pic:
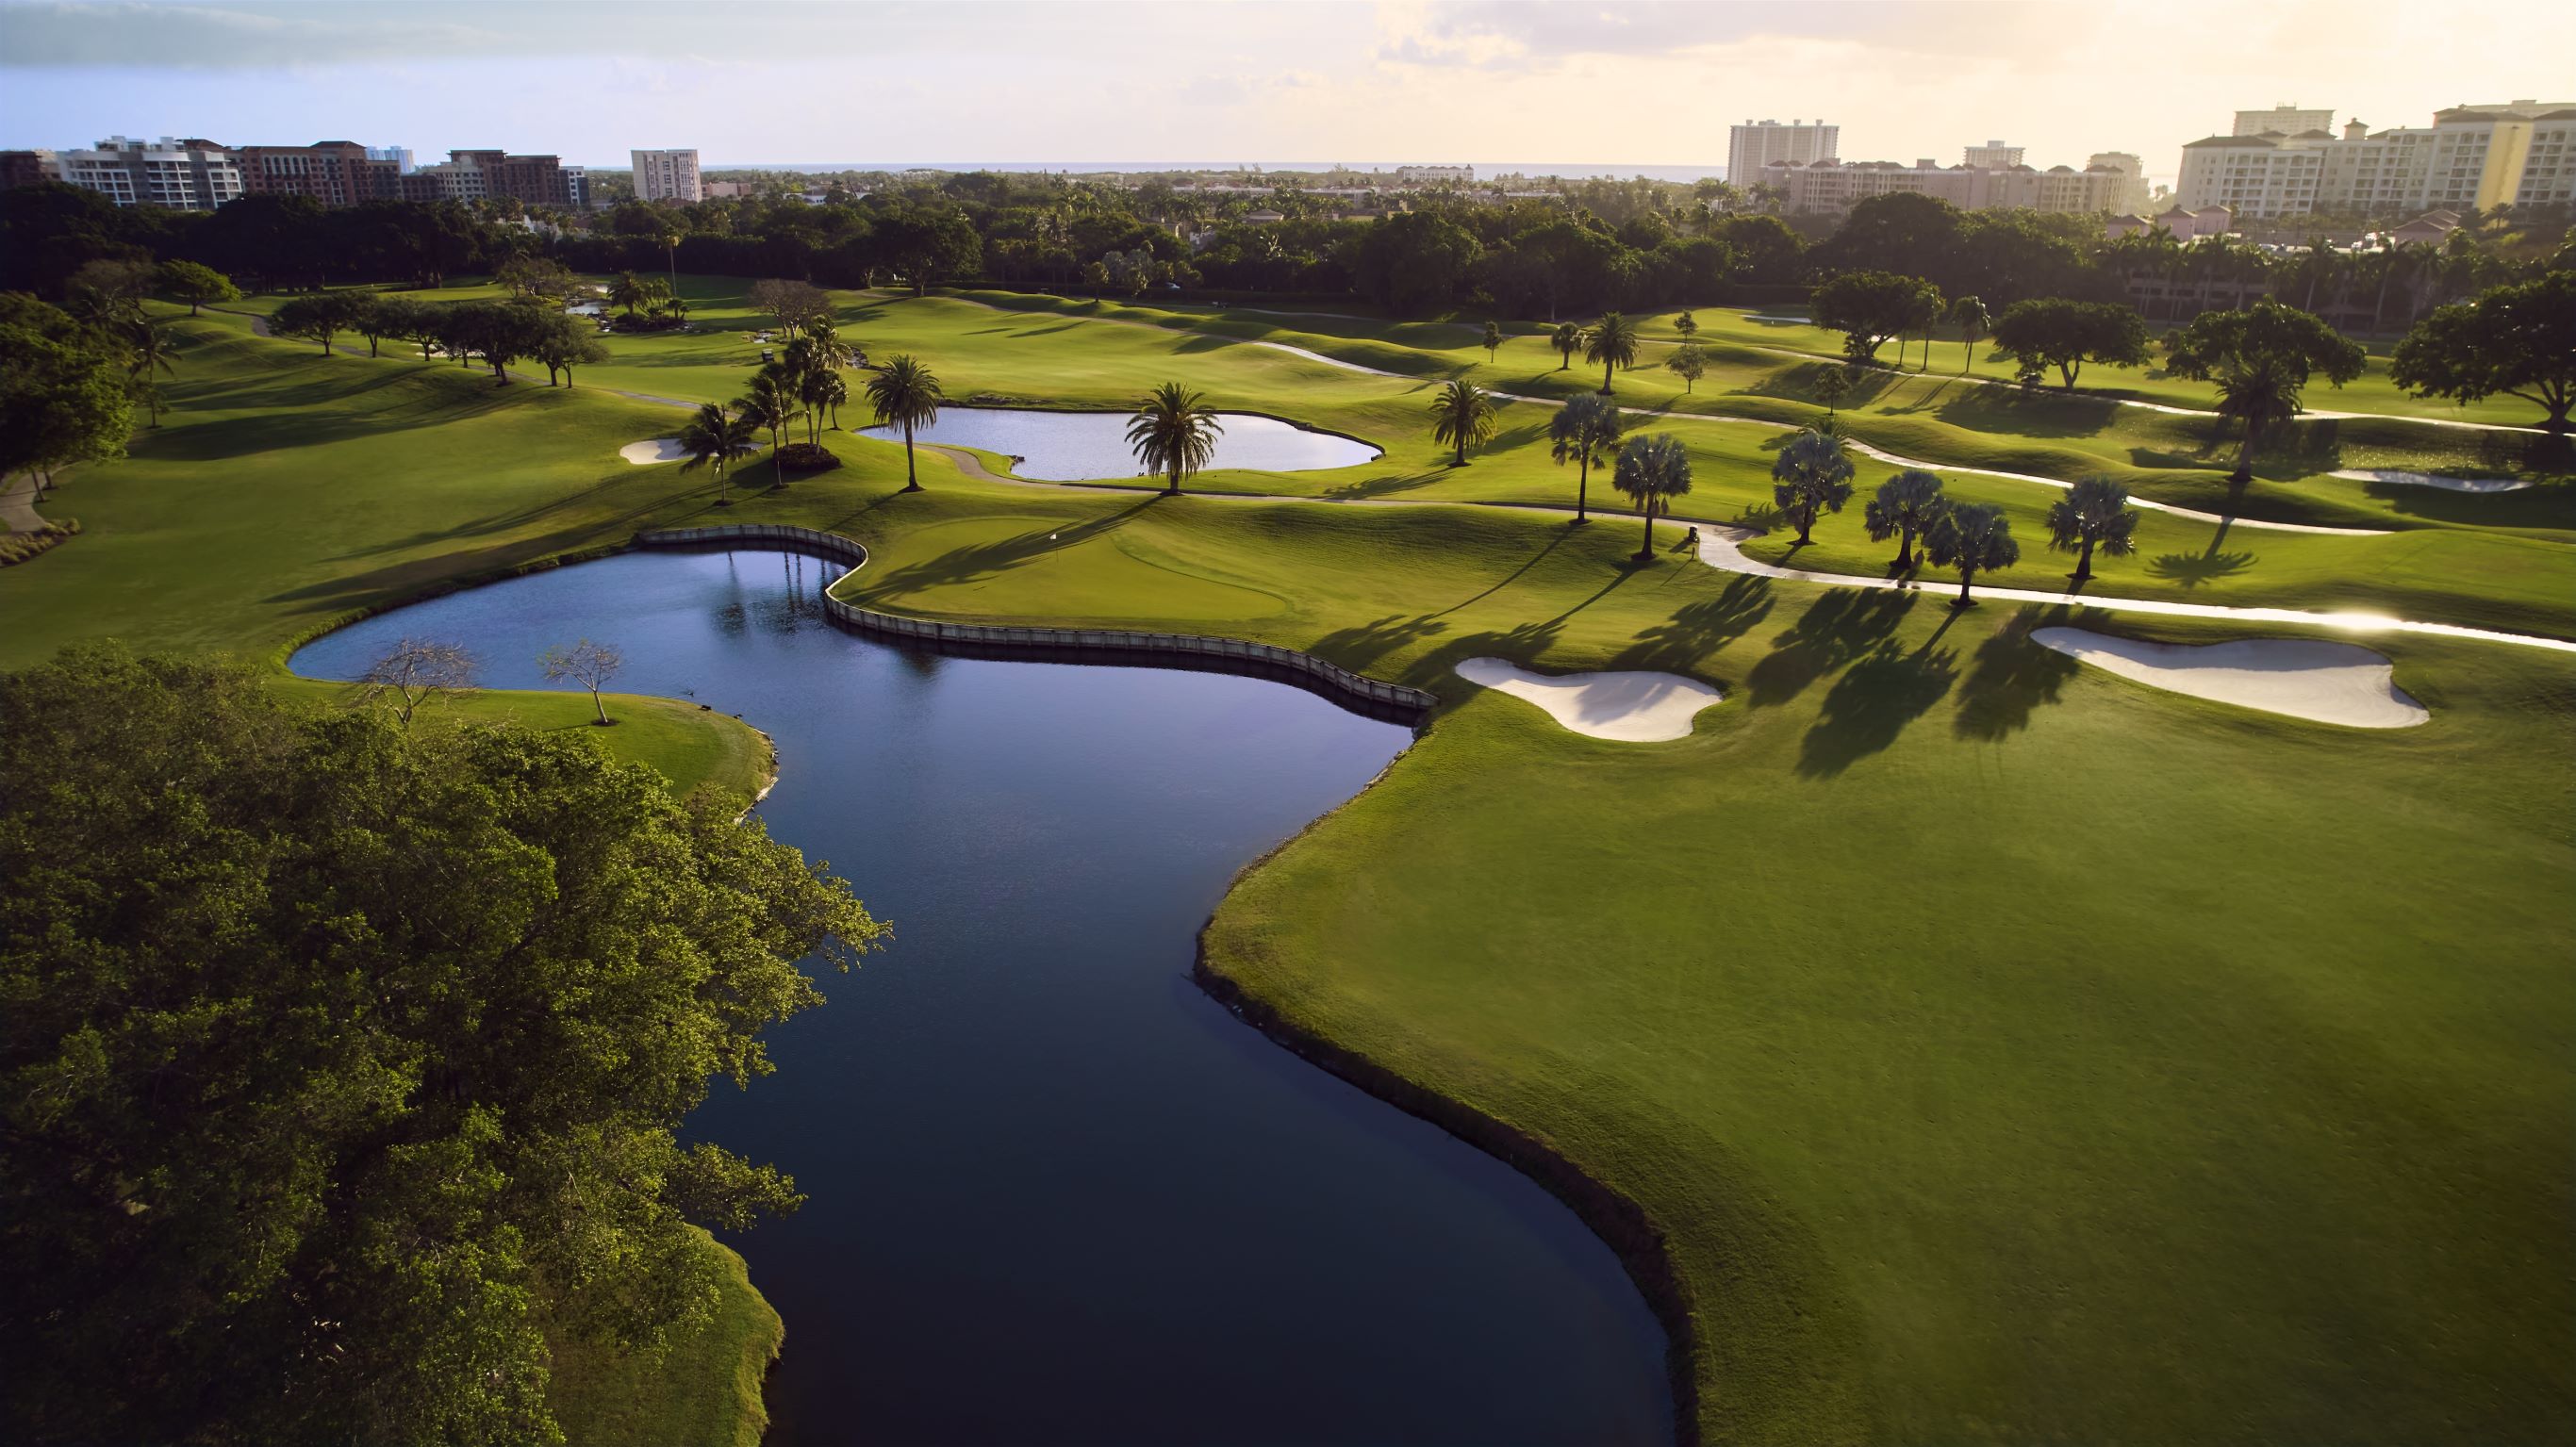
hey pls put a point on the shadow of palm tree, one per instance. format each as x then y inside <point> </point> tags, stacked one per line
<point>1875,700</point>
<point>2193,569</point>
<point>1836,628</point>
<point>1362,644</point>
<point>1388,485</point>
<point>2012,678</point>
<point>1554,540</point>
<point>989,560</point>
<point>1698,629</point>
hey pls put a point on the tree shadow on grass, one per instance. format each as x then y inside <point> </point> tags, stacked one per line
<point>2011,678</point>
<point>1698,629</point>
<point>1839,626</point>
<point>1385,486</point>
<point>1873,702</point>
<point>1555,540</point>
<point>982,561</point>
<point>1362,644</point>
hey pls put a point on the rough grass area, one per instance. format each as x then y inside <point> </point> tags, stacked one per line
<point>704,1392</point>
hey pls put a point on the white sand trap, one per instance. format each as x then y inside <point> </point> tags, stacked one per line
<point>660,449</point>
<point>2336,683</point>
<point>2428,479</point>
<point>1634,708</point>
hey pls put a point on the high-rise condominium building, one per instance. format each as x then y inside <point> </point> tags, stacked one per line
<point>183,175</point>
<point>1992,156</point>
<point>2283,120</point>
<point>667,176</point>
<point>2134,192</point>
<point>335,173</point>
<point>2521,152</point>
<point>1756,144</point>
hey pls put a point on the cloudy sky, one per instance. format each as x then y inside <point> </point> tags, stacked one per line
<point>1485,81</point>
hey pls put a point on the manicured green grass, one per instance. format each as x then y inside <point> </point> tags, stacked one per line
<point>2010,1052</point>
<point>704,1392</point>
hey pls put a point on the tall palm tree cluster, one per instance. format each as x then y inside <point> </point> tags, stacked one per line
<point>111,307</point>
<point>804,385</point>
<point>651,295</point>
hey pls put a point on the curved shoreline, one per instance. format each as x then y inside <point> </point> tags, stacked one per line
<point>1620,1223</point>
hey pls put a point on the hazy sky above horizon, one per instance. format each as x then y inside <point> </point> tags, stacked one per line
<point>1654,83</point>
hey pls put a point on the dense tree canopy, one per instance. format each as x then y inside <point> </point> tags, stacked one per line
<point>335,1060</point>
<point>63,392</point>
<point>2055,332</point>
<point>1869,307</point>
<point>2516,340</point>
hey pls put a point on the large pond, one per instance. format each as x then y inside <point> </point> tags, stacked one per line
<point>1092,446</point>
<point>1057,1194</point>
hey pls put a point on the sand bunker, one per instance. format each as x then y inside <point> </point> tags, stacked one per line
<point>1635,708</point>
<point>660,449</point>
<point>2336,683</point>
<point>2428,479</point>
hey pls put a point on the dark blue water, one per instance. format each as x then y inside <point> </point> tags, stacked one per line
<point>1092,446</point>
<point>1058,1195</point>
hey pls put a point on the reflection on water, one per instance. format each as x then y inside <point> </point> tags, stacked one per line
<point>1091,446</point>
<point>1056,1194</point>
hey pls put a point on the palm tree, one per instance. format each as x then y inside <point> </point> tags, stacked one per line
<point>1972,319</point>
<point>1613,343</point>
<point>671,258</point>
<point>1830,387</point>
<point>715,439</point>
<point>1652,469</point>
<point>1811,473</point>
<point>2258,396</point>
<point>1173,432</point>
<point>831,389</point>
<point>1585,431</point>
<point>772,407</point>
<point>151,353</point>
<point>905,394</point>
<point>1974,538</point>
<point>1461,414</point>
<point>1904,506</point>
<point>1567,338</point>
<point>2094,513</point>
<point>1493,340</point>
<point>628,292</point>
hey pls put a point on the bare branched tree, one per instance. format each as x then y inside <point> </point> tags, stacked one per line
<point>413,672</point>
<point>589,664</point>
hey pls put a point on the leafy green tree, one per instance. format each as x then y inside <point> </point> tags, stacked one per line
<point>1969,315</point>
<point>718,439</point>
<point>1611,342</point>
<point>2261,359</point>
<point>108,294</point>
<point>1904,507</point>
<point>370,317</point>
<point>197,285</point>
<point>342,1065</point>
<point>1462,413</point>
<point>1973,538</point>
<point>2516,340</point>
<point>905,395</point>
<point>1812,474</point>
<point>317,318</point>
<point>63,396</point>
<point>150,352</point>
<point>1869,308</point>
<point>1413,261</point>
<point>1687,325</point>
<point>1653,469</point>
<point>1585,432</point>
<point>1174,432</point>
<point>2094,513</point>
<point>2055,332</point>
<point>565,342</point>
<point>1689,363</point>
<point>1493,340</point>
<point>1567,339</point>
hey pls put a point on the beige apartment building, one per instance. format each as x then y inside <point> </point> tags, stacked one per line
<point>1830,187</point>
<point>2521,152</point>
<point>180,175</point>
<point>1756,144</point>
<point>668,176</point>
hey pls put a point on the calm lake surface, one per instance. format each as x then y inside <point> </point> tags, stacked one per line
<point>1092,446</point>
<point>1057,1194</point>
